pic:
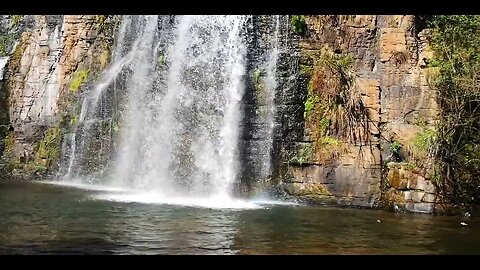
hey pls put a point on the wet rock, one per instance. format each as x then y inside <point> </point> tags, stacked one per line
<point>417,196</point>
<point>424,208</point>
<point>396,178</point>
<point>429,198</point>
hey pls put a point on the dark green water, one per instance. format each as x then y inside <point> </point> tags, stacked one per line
<point>44,219</point>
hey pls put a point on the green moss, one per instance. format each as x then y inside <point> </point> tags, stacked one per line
<point>73,120</point>
<point>309,104</point>
<point>101,19</point>
<point>104,59</point>
<point>411,166</point>
<point>16,20</point>
<point>303,154</point>
<point>78,79</point>
<point>115,127</point>
<point>298,24</point>
<point>6,42</point>
<point>161,59</point>
<point>330,141</point>
<point>259,84</point>
<point>49,147</point>
<point>327,148</point>
<point>306,70</point>
<point>8,144</point>
<point>324,126</point>
<point>16,57</point>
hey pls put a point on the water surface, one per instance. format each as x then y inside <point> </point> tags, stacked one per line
<point>38,218</point>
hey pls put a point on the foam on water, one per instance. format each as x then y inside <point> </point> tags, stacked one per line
<point>213,202</point>
<point>123,195</point>
<point>82,185</point>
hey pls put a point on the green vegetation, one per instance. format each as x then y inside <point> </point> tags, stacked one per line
<point>8,144</point>
<point>16,20</point>
<point>73,120</point>
<point>328,147</point>
<point>456,44</point>
<point>333,95</point>
<point>6,42</point>
<point>333,109</point>
<point>395,147</point>
<point>310,104</point>
<point>259,85</point>
<point>104,59</point>
<point>298,24</point>
<point>424,140</point>
<point>161,59</point>
<point>306,70</point>
<point>302,155</point>
<point>324,126</point>
<point>49,147</point>
<point>330,141</point>
<point>115,127</point>
<point>78,79</point>
<point>344,62</point>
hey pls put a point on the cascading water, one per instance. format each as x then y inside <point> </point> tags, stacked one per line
<point>180,137</point>
<point>179,123</point>
<point>169,109</point>
<point>90,113</point>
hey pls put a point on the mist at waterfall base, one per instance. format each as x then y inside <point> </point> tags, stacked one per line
<point>177,84</point>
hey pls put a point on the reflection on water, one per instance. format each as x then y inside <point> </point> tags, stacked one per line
<point>45,219</point>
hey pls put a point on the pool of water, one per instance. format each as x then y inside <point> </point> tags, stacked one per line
<point>39,218</point>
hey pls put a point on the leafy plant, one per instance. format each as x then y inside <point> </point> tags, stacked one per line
<point>309,104</point>
<point>298,24</point>
<point>302,155</point>
<point>395,147</point>
<point>456,44</point>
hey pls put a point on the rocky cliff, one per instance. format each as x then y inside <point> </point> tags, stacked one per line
<point>49,58</point>
<point>359,145</point>
<point>353,105</point>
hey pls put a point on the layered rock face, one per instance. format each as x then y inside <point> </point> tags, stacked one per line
<point>48,54</point>
<point>391,77</point>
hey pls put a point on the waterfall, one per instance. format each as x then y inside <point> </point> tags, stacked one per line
<point>178,122</point>
<point>182,139</point>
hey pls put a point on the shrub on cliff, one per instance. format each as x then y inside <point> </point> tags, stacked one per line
<point>456,44</point>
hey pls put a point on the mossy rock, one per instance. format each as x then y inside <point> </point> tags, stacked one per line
<point>314,190</point>
<point>48,151</point>
<point>78,79</point>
